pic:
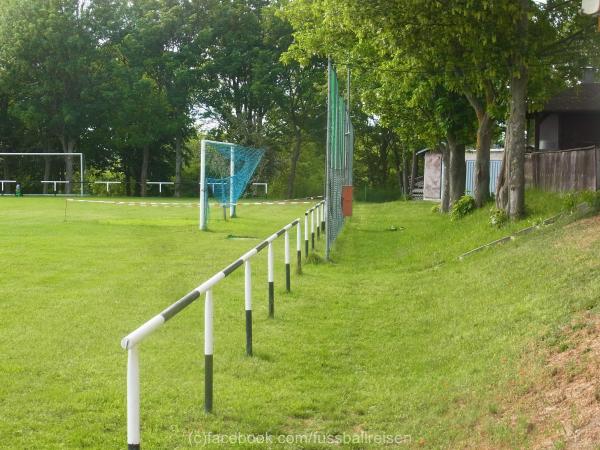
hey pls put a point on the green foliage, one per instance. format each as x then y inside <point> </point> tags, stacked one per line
<point>464,206</point>
<point>436,209</point>
<point>498,217</point>
<point>572,200</point>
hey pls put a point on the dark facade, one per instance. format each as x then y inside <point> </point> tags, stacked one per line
<point>570,119</point>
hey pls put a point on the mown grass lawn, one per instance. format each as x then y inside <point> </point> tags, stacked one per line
<point>396,336</point>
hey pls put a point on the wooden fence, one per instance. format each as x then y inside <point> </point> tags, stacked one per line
<point>564,170</point>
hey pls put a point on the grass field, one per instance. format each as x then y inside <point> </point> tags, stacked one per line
<point>395,336</point>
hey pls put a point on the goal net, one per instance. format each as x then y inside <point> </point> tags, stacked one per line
<point>225,172</point>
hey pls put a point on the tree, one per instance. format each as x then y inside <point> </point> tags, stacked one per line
<point>48,48</point>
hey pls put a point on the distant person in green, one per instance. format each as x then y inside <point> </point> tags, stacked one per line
<point>18,192</point>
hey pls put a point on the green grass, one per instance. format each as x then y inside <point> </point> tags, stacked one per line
<point>396,336</point>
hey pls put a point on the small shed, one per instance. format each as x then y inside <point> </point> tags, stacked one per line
<point>435,171</point>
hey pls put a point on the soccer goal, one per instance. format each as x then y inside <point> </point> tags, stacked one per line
<point>225,172</point>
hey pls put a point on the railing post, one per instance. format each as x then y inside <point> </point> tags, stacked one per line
<point>323,217</point>
<point>248,302</point>
<point>306,234</point>
<point>133,399</point>
<point>299,247</point>
<point>287,261</point>
<point>208,351</point>
<point>318,221</point>
<point>270,281</point>
<point>312,227</point>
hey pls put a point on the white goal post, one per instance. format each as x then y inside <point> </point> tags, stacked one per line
<point>80,155</point>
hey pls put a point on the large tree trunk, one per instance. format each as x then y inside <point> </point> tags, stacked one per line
<point>68,145</point>
<point>457,169</point>
<point>445,188</point>
<point>485,130</point>
<point>511,189</point>
<point>294,163</point>
<point>414,171</point>
<point>144,170</point>
<point>178,165</point>
<point>482,163</point>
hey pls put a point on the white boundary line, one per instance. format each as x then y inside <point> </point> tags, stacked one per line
<point>181,204</point>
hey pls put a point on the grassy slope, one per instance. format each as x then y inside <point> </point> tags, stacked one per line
<point>396,337</point>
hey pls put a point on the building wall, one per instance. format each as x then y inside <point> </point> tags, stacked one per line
<point>579,130</point>
<point>548,133</point>
<point>432,178</point>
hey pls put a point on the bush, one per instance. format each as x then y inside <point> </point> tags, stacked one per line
<point>572,199</point>
<point>498,217</point>
<point>435,209</point>
<point>462,207</point>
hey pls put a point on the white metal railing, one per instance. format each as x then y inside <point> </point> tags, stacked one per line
<point>132,340</point>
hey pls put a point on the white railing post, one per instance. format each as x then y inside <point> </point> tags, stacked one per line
<point>248,304</point>
<point>312,227</point>
<point>287,261</point>
<point>318,221</point>
<point>270,280</point>
<point>306,234</point>
<point>299,247</point>
<point>208,351</point>
<point>133,399</point>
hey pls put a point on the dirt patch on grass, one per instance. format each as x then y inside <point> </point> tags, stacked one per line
<point>582,234</point>
<point>557,405</point>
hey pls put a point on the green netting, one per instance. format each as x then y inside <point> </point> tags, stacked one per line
<point>340,154</point>
<point>219,183</point>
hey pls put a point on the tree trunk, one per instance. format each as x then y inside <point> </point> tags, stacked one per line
<point>445,188</point>
<point>68,145</point>
<point>511,191</point>
<point>144,171</point>
<point>294,163</point>
<point>405,171</point>
<point>457,169</point>
<point>178,165</point>
<point>485,128</point>
<point>482,163</point>
<point>414,171</point>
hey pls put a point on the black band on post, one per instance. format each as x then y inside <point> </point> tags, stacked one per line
<point>287,278</point>
<point>299,264</point>
<point>249,332</point>
<point>208,383</point>
<point>306,248</point>
<point>271,300</point>
<point>133,446</point>
<point>313,240</point>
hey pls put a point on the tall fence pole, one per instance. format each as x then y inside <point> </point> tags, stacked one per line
<point>133,399</point>
<point>270,279</point>
<point>208,351</point>
<point>299,247</point>
<point>248,304</point>
<point>323,217</point>
<point>287,261</point>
